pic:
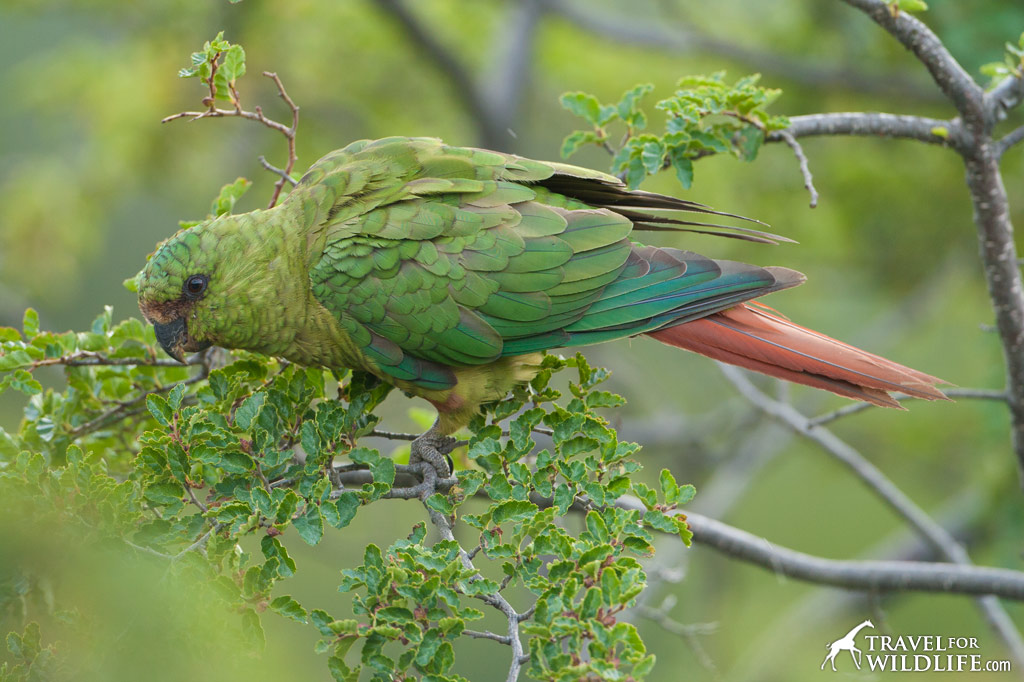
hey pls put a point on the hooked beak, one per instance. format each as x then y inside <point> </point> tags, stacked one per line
<point>173,338</point>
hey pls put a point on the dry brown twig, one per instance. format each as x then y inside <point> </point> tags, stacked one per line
<point>213,111</point>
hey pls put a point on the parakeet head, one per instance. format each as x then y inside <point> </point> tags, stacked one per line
<point>205,285</point>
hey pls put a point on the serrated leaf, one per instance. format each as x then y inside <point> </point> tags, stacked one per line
<point>513,510</point>
<point>249,409</point>
<point>233,65</point>
<point>288,607</point>
<point>310,525</point>
<point>576,139</point>
<point>583,105</point>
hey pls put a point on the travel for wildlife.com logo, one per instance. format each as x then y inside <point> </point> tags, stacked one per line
<point>909,653</point>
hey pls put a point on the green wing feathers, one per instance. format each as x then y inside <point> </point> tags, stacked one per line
<point>434,257</point>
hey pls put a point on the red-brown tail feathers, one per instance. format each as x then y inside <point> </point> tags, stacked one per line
<point>755,339</point>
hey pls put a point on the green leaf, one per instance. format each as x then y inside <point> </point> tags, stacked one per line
<point>583,105</point>
<point>249,409</point>
<point>15,359</point>
<point>310,525</point>
<point>682,165</point>
<point>229,194</point>
<point>513,510</point>
<point>653,156</point>
<point>597,527</point>
<point>347,505</point>
<point>576,139</point>
<point>166,493</point>
<point>440,504</point>
<point>160,410</point>
<point>30,324</point>
<point>288,607</point>
<point>233,65</point>
<point>749,141</point>
<point>912,5</point>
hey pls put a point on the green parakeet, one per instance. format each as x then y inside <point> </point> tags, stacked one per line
<point>447,271</point>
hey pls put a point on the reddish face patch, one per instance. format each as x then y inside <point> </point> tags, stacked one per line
<point>164,312</point>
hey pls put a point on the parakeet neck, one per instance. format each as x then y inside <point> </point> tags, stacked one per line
<point>262,290</point>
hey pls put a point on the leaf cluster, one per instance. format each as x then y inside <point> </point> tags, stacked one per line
<point>218,65</point>
<point>193,464</point>
<point>705,116</point>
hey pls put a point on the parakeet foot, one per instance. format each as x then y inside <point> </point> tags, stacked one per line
<point>433,448</point>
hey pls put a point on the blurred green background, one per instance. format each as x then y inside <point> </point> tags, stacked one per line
<point>90,181</point>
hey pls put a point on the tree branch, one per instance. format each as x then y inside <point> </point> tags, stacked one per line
<point>875,125</point>
<point>859,574</point>
<point>944,544</point>
<point>952,79</point>
<point>495,600</point>
<point>1004,97</point>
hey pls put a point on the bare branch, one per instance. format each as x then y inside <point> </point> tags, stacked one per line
<point>496,600</point>
<point>277,171</point>
<point>504,639</point>
<point>802,160</point>
<point>950,578</point>
<point>873,124</point>
<point>91,359</point>
<point>860,574</point>
<point>952,79</point>
<point>289,134</point>
<point>510,70</point>
<point>125,410</point>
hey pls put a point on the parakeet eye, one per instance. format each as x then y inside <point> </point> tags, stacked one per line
<point>195,286</point>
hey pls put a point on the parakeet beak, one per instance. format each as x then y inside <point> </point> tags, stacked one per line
<point>172,337</point>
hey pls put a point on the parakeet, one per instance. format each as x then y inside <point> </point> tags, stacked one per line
<point>447,272</point>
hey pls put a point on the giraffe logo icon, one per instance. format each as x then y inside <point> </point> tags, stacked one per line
<point>846,643</point>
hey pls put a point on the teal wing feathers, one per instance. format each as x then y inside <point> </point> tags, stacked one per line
<point>433,257</point>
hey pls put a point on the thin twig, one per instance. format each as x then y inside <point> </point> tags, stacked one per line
<point>255,115</point>
<point>802,160</point>
<point>92,359</point>
<point>278,171</point>
<point>125,410</point>
<point>504,639</point>
<point>496,600</point>
<point>289,133</point>
<point>854,408</point>
<point>687,631</point>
